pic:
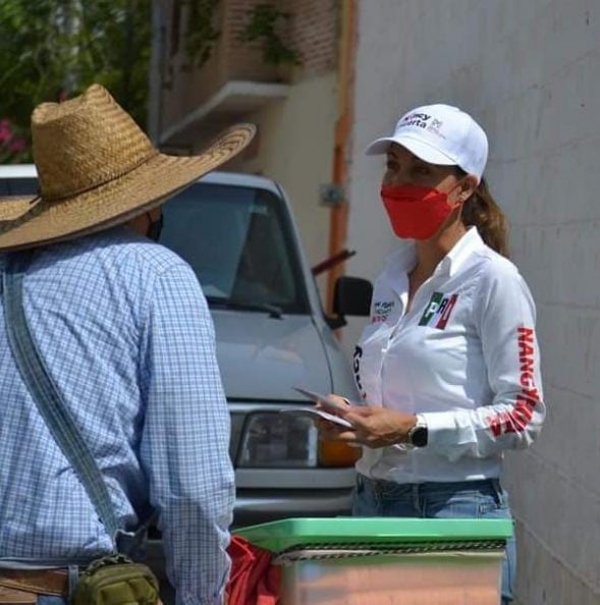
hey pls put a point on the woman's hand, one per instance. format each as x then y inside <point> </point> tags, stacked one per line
<point>329,431</point>
<point>373,426</point>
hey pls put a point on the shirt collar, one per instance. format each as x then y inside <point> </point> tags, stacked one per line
<point>470,242</point>
<point>402,261</point>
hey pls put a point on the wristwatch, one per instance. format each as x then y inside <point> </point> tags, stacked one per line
<point>418,434</point>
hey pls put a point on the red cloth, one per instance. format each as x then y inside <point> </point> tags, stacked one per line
<point>253,580</point>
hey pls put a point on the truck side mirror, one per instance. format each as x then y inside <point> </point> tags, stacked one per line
<point>351,296</point>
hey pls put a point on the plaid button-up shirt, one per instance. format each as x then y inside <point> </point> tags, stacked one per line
<point>127,337</point>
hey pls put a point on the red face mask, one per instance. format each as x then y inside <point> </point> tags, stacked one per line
<point>415,212</point>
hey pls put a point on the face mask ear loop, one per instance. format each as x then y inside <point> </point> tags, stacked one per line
<point>155,228</point>
<point>459,201</point>
<point>472,194</point>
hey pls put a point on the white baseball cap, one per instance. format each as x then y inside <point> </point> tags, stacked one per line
<point>439,134</point>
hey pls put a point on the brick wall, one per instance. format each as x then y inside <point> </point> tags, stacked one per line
<point>243,60</point>
<point>530,72</point>
<point>314,34</point>
<point>230,59</point>
<point>311,31</point>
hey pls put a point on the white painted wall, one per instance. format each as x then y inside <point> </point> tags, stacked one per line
<point>529,71</point>
<point>296,149</point>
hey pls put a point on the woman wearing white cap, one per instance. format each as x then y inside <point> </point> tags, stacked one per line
<point>448,367</point>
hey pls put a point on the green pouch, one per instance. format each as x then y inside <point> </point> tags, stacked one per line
<point>116,580</point>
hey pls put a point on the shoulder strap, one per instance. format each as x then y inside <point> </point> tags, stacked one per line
<point>47,397</point>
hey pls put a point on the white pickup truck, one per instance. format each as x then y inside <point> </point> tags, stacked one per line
<point>239,236</point>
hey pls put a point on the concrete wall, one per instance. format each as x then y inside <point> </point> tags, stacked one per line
<point>296,149</point>
<point>530,72</point>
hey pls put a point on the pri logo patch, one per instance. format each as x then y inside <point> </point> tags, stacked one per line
<point>438,310</point>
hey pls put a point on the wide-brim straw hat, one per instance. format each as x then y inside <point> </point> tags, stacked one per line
<point>97,169</point>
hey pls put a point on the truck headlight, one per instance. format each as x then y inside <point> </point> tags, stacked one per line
<point>278,440</point>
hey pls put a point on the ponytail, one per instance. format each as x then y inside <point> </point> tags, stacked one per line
<point>481,211</point>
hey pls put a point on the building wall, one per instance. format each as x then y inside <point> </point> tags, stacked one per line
<point>296,149</point>
<point>530,73</point>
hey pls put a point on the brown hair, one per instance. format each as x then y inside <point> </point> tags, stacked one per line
<point>482,211</point>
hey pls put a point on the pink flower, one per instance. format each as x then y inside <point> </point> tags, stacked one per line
<point>17,145</point>
<point>5,131</point>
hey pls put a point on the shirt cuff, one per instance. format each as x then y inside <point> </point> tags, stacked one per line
<point>440,428</point>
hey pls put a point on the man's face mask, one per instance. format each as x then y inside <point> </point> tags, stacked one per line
<point>415,212</point>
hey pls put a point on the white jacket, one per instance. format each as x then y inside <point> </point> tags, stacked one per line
<point>464,357</point>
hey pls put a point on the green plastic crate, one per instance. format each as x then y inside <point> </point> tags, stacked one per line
<point>277,536</point>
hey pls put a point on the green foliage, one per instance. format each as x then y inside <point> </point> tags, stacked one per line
<point>200,34</point>
<point>53,49</point>
<point>265,25</point>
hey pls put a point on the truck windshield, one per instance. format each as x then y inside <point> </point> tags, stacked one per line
<point>239,242</point>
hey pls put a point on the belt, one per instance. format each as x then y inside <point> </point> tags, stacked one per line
<point>39,581</point>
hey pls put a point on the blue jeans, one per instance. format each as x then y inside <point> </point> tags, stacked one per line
<point>470,500</point>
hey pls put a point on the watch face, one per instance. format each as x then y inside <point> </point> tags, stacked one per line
<point>419,436</point>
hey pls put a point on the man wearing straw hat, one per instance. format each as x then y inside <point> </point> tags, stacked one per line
<point>123,334</point>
